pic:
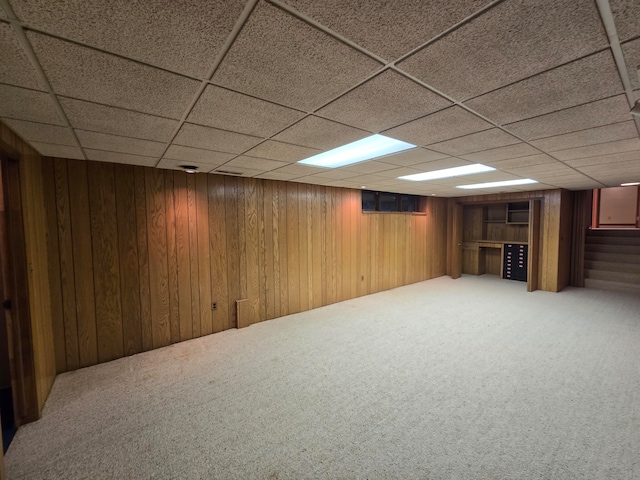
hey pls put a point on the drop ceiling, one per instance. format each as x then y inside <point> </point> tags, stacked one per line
<point>535,88</point>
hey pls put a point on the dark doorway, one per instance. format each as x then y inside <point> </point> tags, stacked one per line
<point>7,413</point>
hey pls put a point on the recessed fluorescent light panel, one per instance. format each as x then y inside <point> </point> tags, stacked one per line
<point>506,183</point>
<point>448,172</point>
<point>366,149</point>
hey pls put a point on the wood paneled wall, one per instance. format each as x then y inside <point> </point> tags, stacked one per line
<point>555,232</point>
<point>139,255</point>
<point>35,249</point>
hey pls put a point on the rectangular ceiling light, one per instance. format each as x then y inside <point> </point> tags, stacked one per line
<point>632,184</point>
<point>366,149</point>
<point>506,183</point>
<point>448,172</point>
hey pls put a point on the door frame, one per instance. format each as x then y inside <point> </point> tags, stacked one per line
<point>15,288</point>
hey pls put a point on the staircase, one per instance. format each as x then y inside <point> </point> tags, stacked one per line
<point>612,260</point>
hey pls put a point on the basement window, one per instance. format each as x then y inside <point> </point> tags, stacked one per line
<point>373,201</point>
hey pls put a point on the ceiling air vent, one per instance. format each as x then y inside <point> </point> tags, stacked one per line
<point>228,172</point>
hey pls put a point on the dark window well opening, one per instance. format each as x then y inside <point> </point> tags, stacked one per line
<point>373,201</point>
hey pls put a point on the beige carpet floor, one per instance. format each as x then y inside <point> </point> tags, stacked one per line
<point>446,379</point>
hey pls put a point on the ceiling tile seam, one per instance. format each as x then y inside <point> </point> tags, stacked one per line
<point>449,30</point>
<point>486,119</point>
<point>217,85</point>
<point>117,108</point>
<point>604,9</point>
<point>115,151</point>
<point>599,144</point>
<point>313,23</point>
<point>574,131</point>
<point>28,49</point>
<point>231,38</point>
<point>113,134</point>
<point>104,51</point>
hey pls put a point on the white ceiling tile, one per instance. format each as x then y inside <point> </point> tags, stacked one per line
<point>113,143</point>
<point>626,14</point>
<point>591,136</point>
<point>255,163</point>
<point>618,146</point>
<point>199,155</point>
<point>279,58</point>
<point>399,172</point>
<point>276,176</point>
<point>213,139</point>
<point>336,174</point>
<point>385,101</point>
<point>243,172</point>
<point>633,155</point>
<point>443,125</point>
<point>58,151</point>
<point>368,167</point>
<point>299,169</point>
<point>117,121</point>
<point>502,153</point>
<point>388,29</point>
<point>23,104</point>
<point>185,36</point>
<point>87,74</point>
<point>594,114</point>
<point>441,164</point>
<point>631,52</point>
<point>280,151</point>
<point>582,81</point>
<point>222,108</point>
<point>508,43</point>
<point>315,132</point>
<point>537,159</point>
<point>15,67</point>
<point>43,133</point>
<point>117,157</point>
<point>475,142</point>
<point>412,157</point>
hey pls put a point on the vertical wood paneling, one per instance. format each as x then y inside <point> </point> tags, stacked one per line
<point>53,249</point>
<point>143,258</point>
<point>172,257</point>
<point>162,246</point>
<point>128,254</point>
<point>83,262</point>
<point>303,240</point>
<point>102,207</point>
<point>251,241</point>
<point>268,269</point>
<point>293,251</point>
<point>158,269</point>
<point>218,246</point>
<point>193,255</point>
<point>181,205</point>
<point>204,255</point>
<point>233,245</point>
<point>282,248</point>
<point>67,275</point>
<point>316,246</point>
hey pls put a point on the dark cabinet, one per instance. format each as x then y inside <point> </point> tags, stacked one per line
<point>514,265</point>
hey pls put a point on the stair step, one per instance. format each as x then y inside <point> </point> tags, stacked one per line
<point>612,257</point>
<point>606,285</point>
<point>621,277</point>
<point>610,240</point>
<point>615,266</point>
<point>624,249</point>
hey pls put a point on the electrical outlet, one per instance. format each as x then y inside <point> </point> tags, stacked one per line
<point>214,306</point>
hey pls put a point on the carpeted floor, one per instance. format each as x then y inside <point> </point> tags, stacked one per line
<point>446,379</point>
